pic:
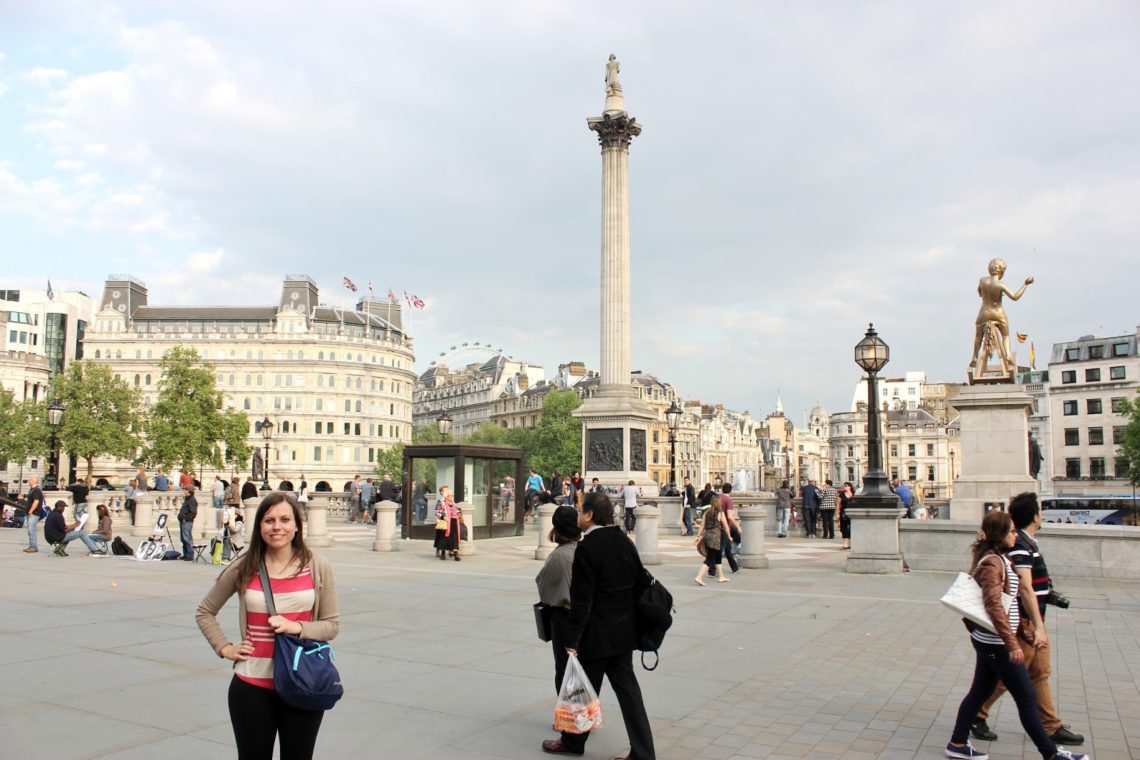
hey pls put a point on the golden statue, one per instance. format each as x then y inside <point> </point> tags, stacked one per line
<point>991,333</point>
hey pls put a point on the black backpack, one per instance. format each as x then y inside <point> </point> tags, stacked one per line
<point>120,548</point>
<point>654,613</point>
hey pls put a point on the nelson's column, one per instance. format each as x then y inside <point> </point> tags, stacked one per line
<point>615,421</point>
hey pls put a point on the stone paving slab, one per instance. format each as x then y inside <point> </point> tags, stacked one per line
<point>101,658</point>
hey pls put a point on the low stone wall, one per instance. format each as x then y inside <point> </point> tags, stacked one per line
<point>1084,551</point>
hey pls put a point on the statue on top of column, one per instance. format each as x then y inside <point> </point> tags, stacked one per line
<point>613,69</point>
<point>991,329</point>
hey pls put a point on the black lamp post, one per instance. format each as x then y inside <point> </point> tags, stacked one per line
<point>673,419</point>
<point>443,421</point>
<point>872,354</point>
<point>55,417</point>
<point>267,434</point>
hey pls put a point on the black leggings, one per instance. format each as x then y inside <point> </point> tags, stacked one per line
<point>258,715</point>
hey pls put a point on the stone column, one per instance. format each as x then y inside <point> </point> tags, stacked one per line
<point>875,540</point>
<point>316,519</point>
<point>144,515</point>
<point>645,537</point>
<point>467,548</point>
<point>387,538</point>
<point>545,525</point>
<point>752,536</point>
<point>206,521</point>
<point>249,506</point>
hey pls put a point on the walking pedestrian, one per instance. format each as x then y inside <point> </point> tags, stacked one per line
<point>447,516</point>
<point>809,495</point>
<point>828,501</point>
<point>733,536</point>
<point>629,502</point>
<point>714,533</point>
<point>845,497</point>
<point>783,509</point>
<point>554,584</point>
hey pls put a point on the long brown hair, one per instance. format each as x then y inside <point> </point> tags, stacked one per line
<point>995,527</point>
<point>256,552</point>
<point>713,512</point>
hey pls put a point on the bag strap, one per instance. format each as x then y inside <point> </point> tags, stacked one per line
<point>266,588</point>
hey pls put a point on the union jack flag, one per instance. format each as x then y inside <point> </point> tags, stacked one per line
<point>350,284</point>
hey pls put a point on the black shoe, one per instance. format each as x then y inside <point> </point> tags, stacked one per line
<point>1065,735</point>
<point>980,730</point>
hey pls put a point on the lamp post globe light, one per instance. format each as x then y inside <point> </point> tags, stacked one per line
<point>673,419</point>
<point>267,434</point>
<point>443,421</point>
<point>872,354</point>
<point>55,417</point>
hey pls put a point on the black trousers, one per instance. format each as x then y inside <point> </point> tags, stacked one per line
<point>619,670</point>
<point>810,515</point>
<point>258,715</point>
<point>559,618</point>
<point>828,522</point>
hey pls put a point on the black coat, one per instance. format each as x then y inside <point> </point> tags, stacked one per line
<point>691,496</point>
<point>189,510</point>
<point>606,579</point>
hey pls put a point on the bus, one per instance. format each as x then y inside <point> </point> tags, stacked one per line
<point>1091,509</point>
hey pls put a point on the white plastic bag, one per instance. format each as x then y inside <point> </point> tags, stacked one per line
<point>578,709</point>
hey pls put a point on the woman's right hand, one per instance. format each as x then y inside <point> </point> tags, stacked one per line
<point>1017,657</point>
<point>242,651</point>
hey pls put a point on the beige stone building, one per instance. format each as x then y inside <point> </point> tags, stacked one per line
<point>496,389</point>
<point>336,384</point>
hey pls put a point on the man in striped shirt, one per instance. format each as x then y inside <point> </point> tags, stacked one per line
<point>1033,591</point>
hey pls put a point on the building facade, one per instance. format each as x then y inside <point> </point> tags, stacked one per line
<point>336,384</point>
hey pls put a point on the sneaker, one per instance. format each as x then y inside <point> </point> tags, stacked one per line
<point>1064,754</point>
<point>967,751</point>
<point>30,550</point>
<point>981,731</point>
<point>1066,735</point>
<point>98,553</point>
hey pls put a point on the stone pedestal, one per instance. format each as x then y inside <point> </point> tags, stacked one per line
<point>995,449</point>
<point>249,506</point>
<point>467,548</point>
<point>206,521</point>
<point>387,537</point>
<point>752,537</point>
<point>144,515</point>
<point>545,525</point>
<point>317,523</point>
<point>645,537</point>
<point>875,540</point>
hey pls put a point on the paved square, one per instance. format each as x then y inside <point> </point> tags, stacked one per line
<point>101,658</point>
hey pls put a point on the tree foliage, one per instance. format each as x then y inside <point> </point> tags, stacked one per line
<point>556,442</point>
<point>24,431</point>
<point>1129,449</point>
<point>102,416</point>
<point>391,462</point>
<point>187,427</point>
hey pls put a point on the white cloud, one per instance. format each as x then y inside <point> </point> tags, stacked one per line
<point>42,76</point>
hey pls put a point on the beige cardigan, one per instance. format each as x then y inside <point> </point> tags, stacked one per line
<point>326,616</point>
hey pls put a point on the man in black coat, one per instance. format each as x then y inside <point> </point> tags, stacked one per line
<point>605,582</point>
<point>688,504</point>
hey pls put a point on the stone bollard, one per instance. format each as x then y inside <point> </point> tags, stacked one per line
<point>206,521</point>
<point>545,525</point>
<point>645,536</point>
<point>752,521</point>
<point>144,515</point>
<point>249,507</point>
<point>316,522</point>
<point>467,548</point>
<point>875,540</point>
<point>387,538</point>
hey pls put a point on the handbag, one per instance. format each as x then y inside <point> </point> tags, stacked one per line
<point>304,672</point>
<point>701,548</point>
<point>964,597</point>
<point>542,620</point>
<point>440,523</point>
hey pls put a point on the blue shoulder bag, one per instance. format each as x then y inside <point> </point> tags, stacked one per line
<point>304,672</point>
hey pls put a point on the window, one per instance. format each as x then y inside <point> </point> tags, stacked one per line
<point>357,405</point>
<point>317,453</point>
<point>1072,437</point>
<point>1116,373</point>
<point>894,473</point>
<point>911,450</point>
<point>848,430</point>
<point>1121,470</point>
<point>1096,352</point>
<point>1120,349</point>
<point>1096,436</point>
<point>1070,408</point>
<point>1096,467</point>
<point>347,405</point>
<point>1072,468</point>
<point>912,473</point>
<point>1118,404</point>
<point>930,449</point>
<point>894,449</point>
<point>356,429</point>
<point>1068,376</point>
<point>930,472</point>
<point>1072,354</point>
<point>347,428</point>
<point>1092,375</point>
<point>1093,406</point>
<point>320,405</point>
<point>850,451</point>
<point>1118,434</point>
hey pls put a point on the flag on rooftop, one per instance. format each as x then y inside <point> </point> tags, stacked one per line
<point>350,284</point>
<point>1032,356</point>
<point>50,292</point>
<point>392,296</point>
<point>418,302</point>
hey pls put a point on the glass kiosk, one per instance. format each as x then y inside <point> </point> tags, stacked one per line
<point>488,478</point>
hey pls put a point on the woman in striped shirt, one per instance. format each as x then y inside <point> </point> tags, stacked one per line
<point>304,593</point>
<point>999,657</point>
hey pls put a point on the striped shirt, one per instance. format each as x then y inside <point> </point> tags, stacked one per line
<point>985,637</point>
<point>1026,554</point>
<point>294,598</point>
<point>828,498</point>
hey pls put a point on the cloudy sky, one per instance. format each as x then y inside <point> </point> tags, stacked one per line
<point>806,167</point>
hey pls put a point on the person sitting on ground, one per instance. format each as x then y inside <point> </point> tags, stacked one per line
<point>58,532</point>
<point>103,533</point>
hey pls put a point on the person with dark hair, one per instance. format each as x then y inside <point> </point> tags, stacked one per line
<point>783,509</point>
<point>688,504</point>
<point>810,505</point>
<point>732,536</point>
<point>59,533</point>
<point>828,501</point>
<point>846,494</point>
<point>447,517</point>
<point>704,498</point>
<point>1032,597</point>
<point>999,657</point>
<point>629,494</point>
<point>304,593</point>
<point>714,535</point>
<point>554,584</point>
<point>186,516</point>
<point>606,580</point>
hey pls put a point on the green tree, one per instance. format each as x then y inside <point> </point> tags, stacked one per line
<point>187,427</point>
<point>1129,449</point>
<point>103,414</point>
<point>24,431</point>
<point>391,462</point>
<point>557,439</point>
<point>489,433</point>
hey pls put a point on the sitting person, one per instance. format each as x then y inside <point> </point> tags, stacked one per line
<point>59,533</point>
<point>103,533</point>
<point>235,525</point>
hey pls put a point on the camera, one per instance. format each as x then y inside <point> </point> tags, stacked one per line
<point>1056,598</point>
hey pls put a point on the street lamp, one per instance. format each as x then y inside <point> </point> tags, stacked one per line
<point>872,354</point>
<point>55,416</point>
<point>267,434</point>
<point>443,421</point>
<point>673,419</point>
